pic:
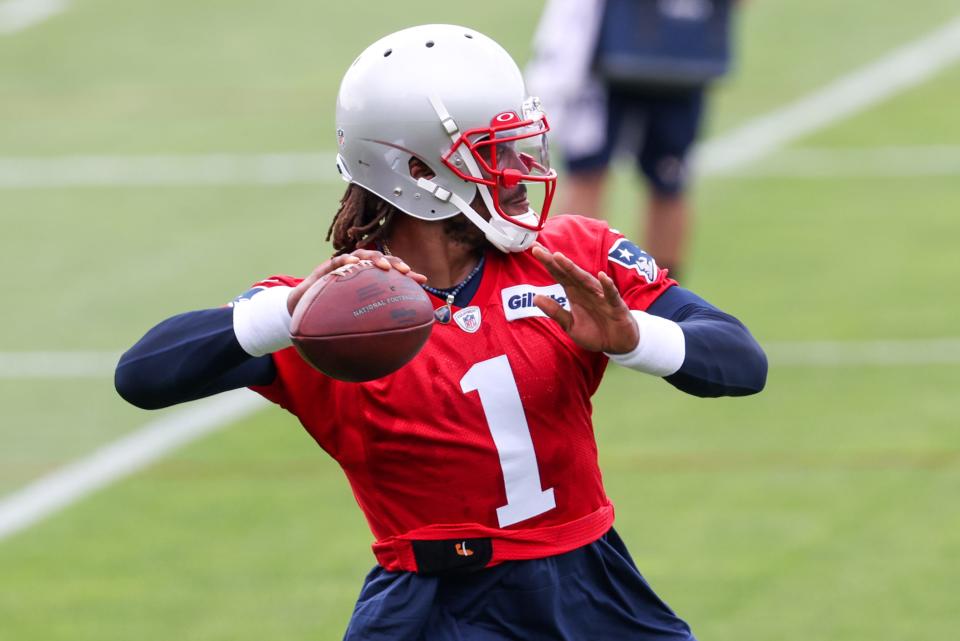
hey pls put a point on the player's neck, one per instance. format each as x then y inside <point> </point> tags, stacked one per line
<point>428,249</point>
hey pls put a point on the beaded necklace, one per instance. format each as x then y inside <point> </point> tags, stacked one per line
<point>445,313</point>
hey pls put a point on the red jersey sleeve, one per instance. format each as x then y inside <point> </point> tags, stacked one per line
<point>279,391</point>
<point>281,280</point>
<point>595,247</point>
<point>636,274</point>
<point>300,389</point>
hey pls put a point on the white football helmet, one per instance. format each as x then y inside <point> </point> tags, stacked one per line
<point>454,99</point>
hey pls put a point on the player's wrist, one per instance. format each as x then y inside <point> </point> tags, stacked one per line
<point>262,322</point>
<point>628,339</point>
<point>660,349</point>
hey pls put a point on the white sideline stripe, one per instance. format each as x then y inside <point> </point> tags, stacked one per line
<point>313,168</point>
<point>121,458</point>
<point>70,365</point>
<point>901,69</point>
<point>209,169</point>
<point>57,365</point>
<point>905,67</point>
<point>871,162</point>
<point>17,15</point>
<point>941,351</point>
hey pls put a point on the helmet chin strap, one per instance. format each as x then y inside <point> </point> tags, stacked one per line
<point>504,235</point>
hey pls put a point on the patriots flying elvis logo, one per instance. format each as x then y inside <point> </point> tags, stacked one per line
<point>628,255</point>
<point>247,295</point>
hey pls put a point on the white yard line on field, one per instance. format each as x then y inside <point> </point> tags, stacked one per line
<point>121,458</point>
<point>308,168</point>
<point>17,15</point>
<point>901,69</point>
<point>869,162</point>
<point>880,353</point>
<point>132,171</point>
<point>57,365</point>
<point>920,351</point>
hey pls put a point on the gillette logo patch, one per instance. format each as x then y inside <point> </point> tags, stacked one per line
<point>518,300</point>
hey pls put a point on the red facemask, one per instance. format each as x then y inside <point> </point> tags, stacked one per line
<point>513,157</point>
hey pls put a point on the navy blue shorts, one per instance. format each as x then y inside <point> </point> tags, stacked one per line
<point>657,128</point>
<point>593,593</point>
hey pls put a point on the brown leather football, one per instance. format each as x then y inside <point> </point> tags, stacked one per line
<point>360,322</point>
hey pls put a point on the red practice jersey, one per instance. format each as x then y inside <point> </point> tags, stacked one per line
<point>487,433</point>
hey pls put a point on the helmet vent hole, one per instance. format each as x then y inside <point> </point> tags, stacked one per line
<point>433,211</point>
<point>387,52</point>
<point>429,43</point>
<point>468,35</point>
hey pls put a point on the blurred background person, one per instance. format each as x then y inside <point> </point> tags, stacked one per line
<point>629,77</point>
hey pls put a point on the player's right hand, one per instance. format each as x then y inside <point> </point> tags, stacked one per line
<point>598,320</point>
<point>382,261</point>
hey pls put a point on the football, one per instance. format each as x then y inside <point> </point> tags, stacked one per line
<point>359,322</point>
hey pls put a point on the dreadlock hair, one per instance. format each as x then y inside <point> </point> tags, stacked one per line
<point>363,218</point>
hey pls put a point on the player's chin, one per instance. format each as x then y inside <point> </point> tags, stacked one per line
<point>516,208</point>
<point>460,230</point>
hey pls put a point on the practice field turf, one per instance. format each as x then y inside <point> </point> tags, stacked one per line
<point>825,508</point>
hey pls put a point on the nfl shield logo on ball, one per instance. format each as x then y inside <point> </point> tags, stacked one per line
<point>468,319</point>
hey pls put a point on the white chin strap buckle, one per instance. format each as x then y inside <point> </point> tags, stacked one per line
<point>433,188</point>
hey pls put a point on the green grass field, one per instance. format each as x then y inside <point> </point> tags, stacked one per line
<point>825,508</point>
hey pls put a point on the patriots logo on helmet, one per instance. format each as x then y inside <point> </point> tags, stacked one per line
<point>628,255</point>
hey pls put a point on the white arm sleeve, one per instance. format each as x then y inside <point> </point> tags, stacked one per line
<point>262,323</point>
<point>661,349</point>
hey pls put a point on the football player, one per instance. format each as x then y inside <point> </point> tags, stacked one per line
<point>475,465</point>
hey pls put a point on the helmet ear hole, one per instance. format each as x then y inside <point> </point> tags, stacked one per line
<point>429,43</point>
<point>419,169</point>
<point>387,52</point>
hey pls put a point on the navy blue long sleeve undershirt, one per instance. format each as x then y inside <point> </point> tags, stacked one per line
<point>722,357</point>
<point>196,354</point>
<point>186,357</point>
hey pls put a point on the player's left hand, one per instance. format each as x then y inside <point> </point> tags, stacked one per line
<point>598,319</point>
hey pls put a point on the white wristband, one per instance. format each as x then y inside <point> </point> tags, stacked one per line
<point>262,322</point>
<point>661,349</point>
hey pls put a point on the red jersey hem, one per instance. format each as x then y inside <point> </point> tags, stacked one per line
<point>395,553</point>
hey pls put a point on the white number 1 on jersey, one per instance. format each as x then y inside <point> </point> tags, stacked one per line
<point>493,380</point>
